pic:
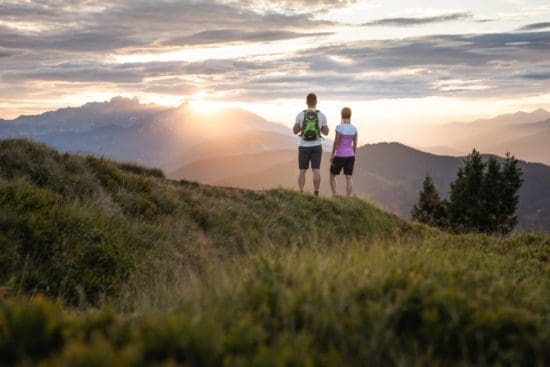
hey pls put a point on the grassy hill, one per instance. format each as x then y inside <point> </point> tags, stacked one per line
<point>107,263</point>
<point>389,174</point>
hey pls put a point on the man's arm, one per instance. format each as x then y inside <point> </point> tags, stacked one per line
<point>297,128</point>
<point>324,125</point>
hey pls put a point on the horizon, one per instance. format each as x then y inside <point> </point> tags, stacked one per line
<point>332,123</point>
<point>395,66</point>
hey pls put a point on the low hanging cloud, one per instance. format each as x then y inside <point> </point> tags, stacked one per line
<point>405,22</point>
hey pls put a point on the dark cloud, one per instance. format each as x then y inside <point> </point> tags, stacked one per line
<point>236,35</point>
<point>535,26</point>
<point>72,41</point>
<point>404,22</point>
<point>5,53</point>
<point>543,75</point>
<point>140,23</point>
<point>444,50</point>
<point>297,5</point>
<point>77,72</point>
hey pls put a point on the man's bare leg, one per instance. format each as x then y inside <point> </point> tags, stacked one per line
<point>302,179</point>
<point>333,184</point>
<point>349,186</point>
<point>316,180</point>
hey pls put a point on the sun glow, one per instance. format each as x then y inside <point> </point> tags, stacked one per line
<point>161,99</point>
<point>202,103</point>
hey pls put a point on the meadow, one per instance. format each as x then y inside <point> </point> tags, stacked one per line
<point>108,263</point>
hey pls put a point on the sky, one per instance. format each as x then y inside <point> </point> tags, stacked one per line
<point>394,62</point>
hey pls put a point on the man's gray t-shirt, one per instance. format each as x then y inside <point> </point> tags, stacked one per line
<point>322,122</point>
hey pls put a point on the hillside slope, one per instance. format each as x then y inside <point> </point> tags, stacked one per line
<point>175,273</point>
<point>389,174</point>
<point>61,214</point>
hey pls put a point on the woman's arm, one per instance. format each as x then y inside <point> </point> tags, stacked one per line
<point>354,143</point>
<point>335,145</point>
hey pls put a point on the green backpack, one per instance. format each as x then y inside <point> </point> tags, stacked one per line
<point>310,125</point>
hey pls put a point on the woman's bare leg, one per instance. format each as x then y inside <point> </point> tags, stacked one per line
<point>333,184</point>
<point>349,186</point>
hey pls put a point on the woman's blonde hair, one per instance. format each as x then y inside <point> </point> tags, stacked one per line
<point>346,113</point>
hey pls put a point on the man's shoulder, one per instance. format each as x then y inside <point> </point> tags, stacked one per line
<point>322,116</point>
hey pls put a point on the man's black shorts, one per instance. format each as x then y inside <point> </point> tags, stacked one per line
<point>307,154</point>
<point>346,163</point>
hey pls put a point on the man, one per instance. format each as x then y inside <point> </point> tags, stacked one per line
<point>310,124</point>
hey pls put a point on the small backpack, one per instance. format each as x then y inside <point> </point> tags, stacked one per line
<point>310,125</point>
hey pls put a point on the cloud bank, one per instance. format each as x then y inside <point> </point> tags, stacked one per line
<point>50,47</point>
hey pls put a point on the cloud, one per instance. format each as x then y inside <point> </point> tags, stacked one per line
<point>91,40</point>
<point>535,26</point>
<point>543,75</point>
<point>236,35</point>
<point>5,53</point>
<point>296,5</point>
<point>404,22</point>
<point>91,26</point>
<point>76,72</point>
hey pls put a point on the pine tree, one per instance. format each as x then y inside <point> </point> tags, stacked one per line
<point>491,193</point>
<point>483,198</point>
<point>465,213</point>
<point>429,209</point>
<point>511,183</point>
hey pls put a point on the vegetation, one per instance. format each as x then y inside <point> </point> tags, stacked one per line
<point>110,264</point>
<point>484,198</point>
<point>430,209</point>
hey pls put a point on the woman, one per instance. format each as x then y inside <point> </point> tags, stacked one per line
<point>343,152</point>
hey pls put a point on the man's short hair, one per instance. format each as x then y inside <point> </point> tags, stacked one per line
<point>346,113</point>
<point>311,99</point>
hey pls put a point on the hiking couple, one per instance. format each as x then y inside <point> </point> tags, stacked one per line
<point>310,124</point>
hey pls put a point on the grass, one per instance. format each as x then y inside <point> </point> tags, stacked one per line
<point>111,264</point>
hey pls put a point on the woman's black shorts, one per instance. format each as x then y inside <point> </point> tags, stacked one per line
<point>346,163</point>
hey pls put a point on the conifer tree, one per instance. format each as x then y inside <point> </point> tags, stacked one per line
<point>483,198</point>
<point>429,209</point>
<point>491,193</point>
<point>511,183</point>
<point>465,199</point>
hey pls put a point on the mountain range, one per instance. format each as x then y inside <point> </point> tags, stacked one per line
<point>524,134</point>
<point>125,129</point>
<point>240,149</point>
